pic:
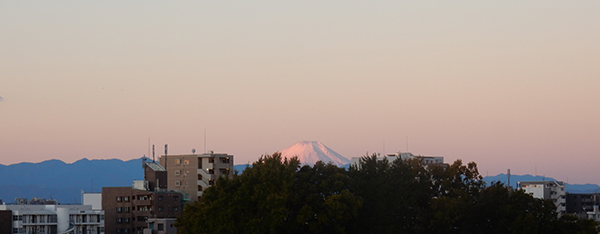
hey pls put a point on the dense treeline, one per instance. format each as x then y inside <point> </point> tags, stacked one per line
<point>276,195</point>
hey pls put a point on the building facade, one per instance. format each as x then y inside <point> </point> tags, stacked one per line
<point>5,221</point>
<point>580,204</point>
<point>551,190</point>
<point>192,173</point>
<point>127,209</point>
<point>76,219</point>
<point>155,176</point>
<point>161,226</point>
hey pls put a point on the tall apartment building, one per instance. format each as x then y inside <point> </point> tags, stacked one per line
<point>192,173</point>
<point>76,219</point>
<point>552,190</point>
<point>128,209</point>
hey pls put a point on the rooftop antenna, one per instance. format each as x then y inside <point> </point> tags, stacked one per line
<point>205,140</point>
<point>152,153</point>
<point>166,150</point>
<point>149,147</point>
<point>508,175</point>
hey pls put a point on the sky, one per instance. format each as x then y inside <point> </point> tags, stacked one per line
<point>506,84</point>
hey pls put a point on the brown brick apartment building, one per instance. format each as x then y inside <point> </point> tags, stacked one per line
<point>127,209</point>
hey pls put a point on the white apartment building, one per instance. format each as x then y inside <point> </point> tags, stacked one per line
<point>50,219</point>
<point>403,156</point>
<point>552,190</point>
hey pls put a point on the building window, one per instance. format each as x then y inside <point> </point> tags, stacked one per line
<point>126,220</point>
<point>126,199</point>
<point>119,230</point>
<point>199,187</point>
<point>224,160</point>
<point>211,182</point>
<point>175,198</point>
<point>119,220</point>
<point>126,209</point>
<point>177,183</point>
<point>119,199</point>
<point>177,161</point>
<point>160,198</point>
<point>175,209</point>
<point>187,173</point>
<point>199,162</point>
<point>161,227</point>
<point>17,218</point>
<point>211,160</point>
<point>160,209</point>
<point>199,177</point>
<point>177,172</point>
<point>211,171</point>
<point>224,171</point>
<point>119,209</point>
<point>186,162</point>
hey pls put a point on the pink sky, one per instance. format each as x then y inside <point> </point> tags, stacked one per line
<point>506,84</point>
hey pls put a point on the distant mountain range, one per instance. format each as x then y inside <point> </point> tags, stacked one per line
<point>65,181</point>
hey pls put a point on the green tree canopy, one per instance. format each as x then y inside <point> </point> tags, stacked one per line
<point>277,195</point>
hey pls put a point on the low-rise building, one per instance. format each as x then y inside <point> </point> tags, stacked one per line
<point>581,204</point>
<point>161,226</point>
<point>76,219</point>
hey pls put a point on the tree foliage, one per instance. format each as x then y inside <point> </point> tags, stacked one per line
<point>277,195</point>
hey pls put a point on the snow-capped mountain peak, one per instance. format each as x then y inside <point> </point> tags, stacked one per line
<point>309,152</point>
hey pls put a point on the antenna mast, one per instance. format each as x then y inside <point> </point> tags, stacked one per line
<point>166,159</point>
<point>205,140</point>
<point>508,175</point>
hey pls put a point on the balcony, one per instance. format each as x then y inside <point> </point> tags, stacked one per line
<point>143,202</point>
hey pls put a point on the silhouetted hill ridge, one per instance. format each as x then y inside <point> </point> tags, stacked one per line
<point>65,181</point>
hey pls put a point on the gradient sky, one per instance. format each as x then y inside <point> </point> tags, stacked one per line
<point>507,84</point>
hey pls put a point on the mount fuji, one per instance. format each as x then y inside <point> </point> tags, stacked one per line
<point>309,152</point>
